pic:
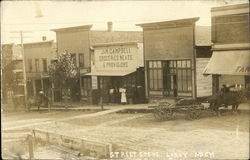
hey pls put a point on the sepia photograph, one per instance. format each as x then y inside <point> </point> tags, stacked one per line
<point>125,80</point>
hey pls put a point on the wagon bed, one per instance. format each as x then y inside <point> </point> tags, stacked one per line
<point>166,110</point>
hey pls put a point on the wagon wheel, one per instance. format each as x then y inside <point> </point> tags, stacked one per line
<point>194,114</point>
<point>158,114</point>
<point>163,112</point>
<point>168,113</point>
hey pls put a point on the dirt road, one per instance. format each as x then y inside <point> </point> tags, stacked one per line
<point>208,137</point>
<point>215,137</point>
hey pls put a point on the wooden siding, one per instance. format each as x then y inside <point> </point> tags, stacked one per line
<point>204,83</point>
<point>169,44</point>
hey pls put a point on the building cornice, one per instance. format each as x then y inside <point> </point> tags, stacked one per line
<point>230,10</point>
<point>37,43</point>
<point>168,24</point>
<point>76,28</point>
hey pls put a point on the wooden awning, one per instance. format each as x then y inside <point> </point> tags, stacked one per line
<point>236,62</point>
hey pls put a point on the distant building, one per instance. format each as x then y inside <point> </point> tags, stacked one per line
<point>10,52</point>
<point>230,62</point>
<point>38,56</point>
<point>175,53</point>
<point>79,41</point>
<point>12,71</point>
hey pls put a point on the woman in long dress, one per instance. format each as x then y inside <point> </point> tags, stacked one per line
<point>123,95</point>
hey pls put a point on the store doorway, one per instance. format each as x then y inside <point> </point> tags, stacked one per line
<point>169,79</point>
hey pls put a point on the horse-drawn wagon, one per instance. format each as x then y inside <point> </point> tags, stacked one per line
<point>194,108</point>
<point>166,110</point>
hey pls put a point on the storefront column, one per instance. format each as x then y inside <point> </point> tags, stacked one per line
<point>146,79</point>
<point>193,80</point>
<point>34,87</point>
<point>215,84</point>
<point>80,88</point>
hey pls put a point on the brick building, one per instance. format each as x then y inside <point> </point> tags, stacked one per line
<point>230,62</point>
<point>12,71</point>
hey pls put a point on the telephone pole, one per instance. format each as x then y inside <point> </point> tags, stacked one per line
<point>24,67</point>
<point>24,73</point>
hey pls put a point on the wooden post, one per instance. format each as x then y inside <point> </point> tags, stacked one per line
<point>52,92</point>
<point>49,106</point>
<point>101,99</point>
<point>30,143</point>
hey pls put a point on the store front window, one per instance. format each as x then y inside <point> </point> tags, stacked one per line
<point>172,77</point>
<point>155,75</point>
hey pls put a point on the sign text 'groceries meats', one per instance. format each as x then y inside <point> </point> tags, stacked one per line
<point>116,58</point>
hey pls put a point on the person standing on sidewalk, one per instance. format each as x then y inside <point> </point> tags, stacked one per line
<point>123,95</point>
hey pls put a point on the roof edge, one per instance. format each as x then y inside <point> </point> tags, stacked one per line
<point>84,27</point>
<point>50,41</point>
<point>165,23</point>
<point>230,7</point>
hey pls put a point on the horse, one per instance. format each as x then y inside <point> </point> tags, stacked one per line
<point>233,98</point>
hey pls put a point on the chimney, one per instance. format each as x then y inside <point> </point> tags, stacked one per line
<point>44,38</point>
<point>110,26</point>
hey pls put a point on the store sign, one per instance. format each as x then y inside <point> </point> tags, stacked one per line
<point>243,69</point>
<point>116,58</point>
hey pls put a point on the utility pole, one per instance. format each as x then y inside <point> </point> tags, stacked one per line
<point>24,72</point>
<point>24,68</point>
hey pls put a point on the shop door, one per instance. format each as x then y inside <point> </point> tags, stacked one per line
<point>169,79</point>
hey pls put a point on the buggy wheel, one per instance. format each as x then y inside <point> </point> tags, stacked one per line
<point>158,114</point>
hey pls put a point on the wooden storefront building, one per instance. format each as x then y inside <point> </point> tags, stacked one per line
<point>173,59</point>
<point>78,41</point>
<point>115,66</point>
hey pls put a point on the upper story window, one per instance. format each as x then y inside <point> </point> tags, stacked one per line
<point>29,65</point>
<point>37,65</point>
<point>81,60</point>
<point>45,65</point>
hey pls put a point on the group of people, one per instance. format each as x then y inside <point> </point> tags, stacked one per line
<point>121,95</point>
<point>235,87</point>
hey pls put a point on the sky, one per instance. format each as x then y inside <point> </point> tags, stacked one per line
<point>37,18</point>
